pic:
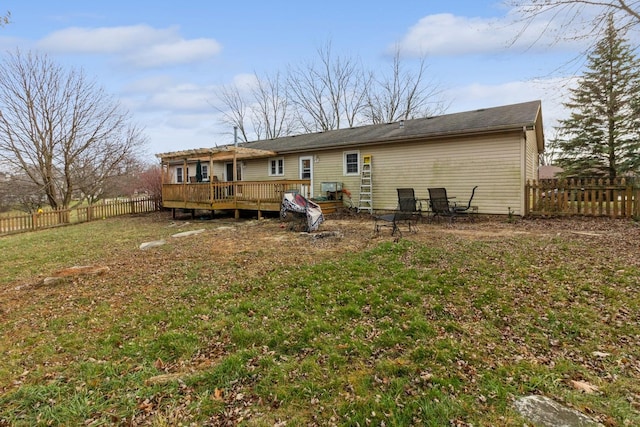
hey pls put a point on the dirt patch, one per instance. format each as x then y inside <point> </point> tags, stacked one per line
<point>252,247</point>
<point>353,232</point>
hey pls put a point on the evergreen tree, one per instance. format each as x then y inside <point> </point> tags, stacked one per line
<point>601,138</point>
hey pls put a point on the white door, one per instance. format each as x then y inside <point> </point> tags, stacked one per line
<point>306,172</point>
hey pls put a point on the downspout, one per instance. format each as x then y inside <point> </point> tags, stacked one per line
<point>523,195</point>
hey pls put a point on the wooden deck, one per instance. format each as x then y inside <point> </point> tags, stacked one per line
<point>260,196</point>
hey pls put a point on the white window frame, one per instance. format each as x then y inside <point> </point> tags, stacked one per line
<point>278,162</point>
<point>205,172</point>
<point>179,174</point>
<point>344,163</point>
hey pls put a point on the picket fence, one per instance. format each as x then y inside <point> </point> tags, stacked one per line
<point>616,198</point>
<point>56,218</point>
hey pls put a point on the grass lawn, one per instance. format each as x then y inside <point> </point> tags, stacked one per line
<point>251,324</point>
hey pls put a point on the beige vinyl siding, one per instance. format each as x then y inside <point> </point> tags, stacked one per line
<point>327,167</point>
<point>497,164</point>
<point>492,163</point>
<point>218,171</point>
<point>532,156</point>
<point>531,163</point>
<point>330,168</point>
<point>258,169</point>
<point>172,174</point>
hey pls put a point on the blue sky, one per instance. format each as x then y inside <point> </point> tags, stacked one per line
<point>164,60</point>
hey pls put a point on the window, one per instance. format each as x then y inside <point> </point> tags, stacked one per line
<point>205,172</point>
<point>179,175</point>
<point>276,167</point>
<point>352,163</point>
<point>306,168</point>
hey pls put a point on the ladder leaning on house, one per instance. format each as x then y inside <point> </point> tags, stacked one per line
<point>365,201</point>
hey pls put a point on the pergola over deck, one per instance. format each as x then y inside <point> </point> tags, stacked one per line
<point>222,195</point>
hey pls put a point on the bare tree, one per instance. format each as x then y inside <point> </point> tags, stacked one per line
<point>96,180</point>
<point>259,111</point>
<point>5,19</point>
<point>61,129</point>
<point>270,110</point>
<point>18,192</point>
<point>7,195</point>
<point>402,94</point>
<point>234,110</point>
<point>150,181</point>
<point>576,19</point>
<point>329,93</point>
<point>26,195</point>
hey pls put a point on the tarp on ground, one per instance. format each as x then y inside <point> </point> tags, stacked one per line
<point>297,203</point>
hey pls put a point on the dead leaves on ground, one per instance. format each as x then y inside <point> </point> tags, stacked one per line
<point>584,386</point>
<point>242,252</point>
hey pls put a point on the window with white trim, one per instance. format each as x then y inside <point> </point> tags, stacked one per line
<point>352,163</point>
<point>205,172</point>
<point>276,167</point>
<point>179,175</point>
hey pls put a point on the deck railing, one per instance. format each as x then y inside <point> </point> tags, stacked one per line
<point>617,198</point>
<point>223,193</point>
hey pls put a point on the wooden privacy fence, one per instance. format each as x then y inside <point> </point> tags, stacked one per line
<point>54,218</point>
<point>617,198</point>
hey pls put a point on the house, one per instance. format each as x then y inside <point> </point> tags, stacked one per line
<point>549,172</point>
<point>494,148</point>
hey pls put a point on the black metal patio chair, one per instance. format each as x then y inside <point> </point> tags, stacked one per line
<point>408,213</point>
<point>440,205</point>
<point>465,210</point>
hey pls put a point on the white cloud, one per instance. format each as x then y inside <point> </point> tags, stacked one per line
<point>106,39</point>
<point>447,34</point>
<point>161,94</point>
<point>245,81</point>
<point>434,35</point>
<point>176,116</point>
<point>10,43</point>
<point>139,45</point>
<point>191,122</point>
<point>175,52</point>
<point>183,97</point>
<point>552,92</point>
<point>168,133</point>
<point>148,84</point>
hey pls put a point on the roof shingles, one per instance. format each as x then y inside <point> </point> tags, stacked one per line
<point>498,118</point>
